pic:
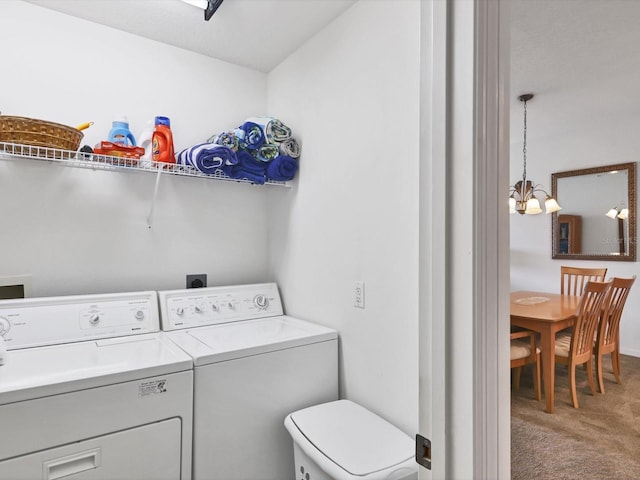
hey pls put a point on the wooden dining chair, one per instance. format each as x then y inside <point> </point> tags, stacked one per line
<point>608,337</point>
<point>573,279</point>
<point>524,353</point>
<point>576,347</point>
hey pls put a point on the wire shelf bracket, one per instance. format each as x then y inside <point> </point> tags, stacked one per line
<point>14,151</point>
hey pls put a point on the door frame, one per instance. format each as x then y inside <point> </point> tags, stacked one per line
<point>464,240</point>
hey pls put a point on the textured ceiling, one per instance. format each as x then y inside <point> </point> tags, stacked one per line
<point>562,50</point>
<point>581,58</point>
<point>258,34</point>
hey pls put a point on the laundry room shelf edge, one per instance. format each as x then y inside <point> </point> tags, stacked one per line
<point>12,151</point>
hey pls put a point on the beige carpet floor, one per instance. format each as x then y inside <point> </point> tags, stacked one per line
<point>600,440</point>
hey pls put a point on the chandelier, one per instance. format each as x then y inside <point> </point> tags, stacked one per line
<point>522,195</point>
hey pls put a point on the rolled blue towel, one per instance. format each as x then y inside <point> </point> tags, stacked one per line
<point>253,136</point>
<point>282,168</point>
<point>207,157</point>
<point>274,130</point>
<point>247,168</point>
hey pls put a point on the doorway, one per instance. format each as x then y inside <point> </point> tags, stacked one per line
<point>578,58</point>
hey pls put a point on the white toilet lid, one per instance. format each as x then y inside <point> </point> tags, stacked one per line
<point>354,438</point>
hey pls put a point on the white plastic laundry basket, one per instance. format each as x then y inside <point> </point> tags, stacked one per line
<point>342,440</point>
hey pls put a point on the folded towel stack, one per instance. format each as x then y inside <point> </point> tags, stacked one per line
<point>264,149</point>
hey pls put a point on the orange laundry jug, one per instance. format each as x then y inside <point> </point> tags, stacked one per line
<point>162,143</point>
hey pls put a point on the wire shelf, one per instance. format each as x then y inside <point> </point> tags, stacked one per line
<point>107,162</point>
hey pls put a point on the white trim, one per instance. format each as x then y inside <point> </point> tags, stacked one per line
<point>464,254</point>
<point>433,246</point>
<point>461,239</point>
<point>492,436</point>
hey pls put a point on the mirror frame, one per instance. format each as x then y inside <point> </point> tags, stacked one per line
<point>631,192</point>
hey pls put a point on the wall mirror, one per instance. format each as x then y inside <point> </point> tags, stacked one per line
<point>598,216</point>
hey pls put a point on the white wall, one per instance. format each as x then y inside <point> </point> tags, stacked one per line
<point>353,92</point>
<point>80,231</point>
<point>588,139</point>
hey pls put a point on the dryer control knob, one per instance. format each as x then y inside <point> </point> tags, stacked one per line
<point>215,307</point>
<point>5,326</point>
<point>198,309</point>
<point>139,315</point>
<point>180,311</point>
<point>231,306</point>
<point>261,301</point>
<point>94,319</point>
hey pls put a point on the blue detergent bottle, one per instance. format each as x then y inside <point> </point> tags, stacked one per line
<point>120,133</point>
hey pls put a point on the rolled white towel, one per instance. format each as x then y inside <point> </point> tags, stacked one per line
<point>290,147</point>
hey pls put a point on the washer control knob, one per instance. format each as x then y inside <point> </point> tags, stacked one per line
<point>215,307</point>
<point>198,309</point>
<point>231,306</point>
<point>261,301</point>
<point>5,326</point>
<point>180,311</point>
<point>94,319</point>
<point>139,315</point>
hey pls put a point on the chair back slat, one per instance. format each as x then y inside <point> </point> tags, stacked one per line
<point>574,279</point>
<point>610,321</point>
<point>594,299</point>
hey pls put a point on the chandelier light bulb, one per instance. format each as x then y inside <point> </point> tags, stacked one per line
<point>533,206</point>
<point>551,205</point>
<point>613,213</point>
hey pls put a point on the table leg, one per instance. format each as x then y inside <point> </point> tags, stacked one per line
<point>548,350</point>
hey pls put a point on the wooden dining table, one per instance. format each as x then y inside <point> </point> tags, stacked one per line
<point>547,314</point>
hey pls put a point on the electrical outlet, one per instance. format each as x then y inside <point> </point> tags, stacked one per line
<point>198,280</point>
<point>359,295</point>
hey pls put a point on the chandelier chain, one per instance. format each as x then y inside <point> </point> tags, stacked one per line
<point>524,145</point>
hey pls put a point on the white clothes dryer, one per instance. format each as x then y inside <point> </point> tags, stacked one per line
<point>252,367</point>
<point>91,389</point>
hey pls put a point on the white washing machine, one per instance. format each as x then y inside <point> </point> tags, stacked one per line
<point>91,389</point>
<point>252,367</point>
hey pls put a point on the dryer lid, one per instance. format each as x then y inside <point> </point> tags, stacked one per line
<point>354,438</point>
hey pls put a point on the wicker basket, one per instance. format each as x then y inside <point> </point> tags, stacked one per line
<point>38,133</point>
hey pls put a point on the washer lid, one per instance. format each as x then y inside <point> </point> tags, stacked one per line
<point>218,343</point>
<point>42,371</point>
<point>354,438</point>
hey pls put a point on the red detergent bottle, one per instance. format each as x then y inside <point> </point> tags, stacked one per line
<point>162,142</point>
